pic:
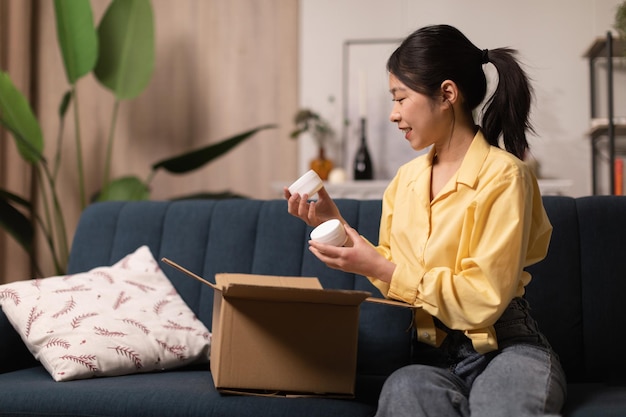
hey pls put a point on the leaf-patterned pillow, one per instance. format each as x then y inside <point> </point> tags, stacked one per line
<point>116,320</point>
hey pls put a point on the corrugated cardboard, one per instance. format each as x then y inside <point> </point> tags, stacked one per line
<point>283,335</point>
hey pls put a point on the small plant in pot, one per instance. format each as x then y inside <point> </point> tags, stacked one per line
<point>620,20</point>
<point>308,121</point>
<point>619,24</point>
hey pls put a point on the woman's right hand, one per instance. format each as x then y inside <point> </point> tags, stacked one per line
<point>312,213</point>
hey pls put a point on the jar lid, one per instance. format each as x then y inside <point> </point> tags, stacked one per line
<point>309,183</point>
<point>330,232</point>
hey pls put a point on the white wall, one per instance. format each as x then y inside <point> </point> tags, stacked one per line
<point>551,36</point>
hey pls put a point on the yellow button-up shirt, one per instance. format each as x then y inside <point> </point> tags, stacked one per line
<point>460,257</point>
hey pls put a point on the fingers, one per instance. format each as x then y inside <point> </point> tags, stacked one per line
<point>335,257</point>
<point>292,202</point>
<point>353,235</point>
<point>323,194</point>
<point>299,206</point>
<point>303,207</point>
<point>325,253</point>
<point>312,214</point>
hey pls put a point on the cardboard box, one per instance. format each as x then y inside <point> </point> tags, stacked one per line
<point>283,335</point>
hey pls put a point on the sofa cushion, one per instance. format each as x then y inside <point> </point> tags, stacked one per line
<point>554,292</point>
<point>11,346</point>
<point>178,393</point>
<point>602,222</point>
<point>108,321</point>
<point>595,400</point>
<point>246,236</point>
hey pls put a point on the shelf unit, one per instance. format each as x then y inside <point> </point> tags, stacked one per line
<point>604,128</point>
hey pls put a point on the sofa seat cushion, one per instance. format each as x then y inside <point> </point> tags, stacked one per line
<point>187,392</point>
<point>595,400</point>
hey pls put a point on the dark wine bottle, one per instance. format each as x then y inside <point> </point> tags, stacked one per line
<point>363,168</point>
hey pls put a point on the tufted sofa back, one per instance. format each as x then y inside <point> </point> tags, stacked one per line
<point>244,236</point>
<point>576,293</point>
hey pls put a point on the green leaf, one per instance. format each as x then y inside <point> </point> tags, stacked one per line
<point>125,189</point>
<point>15,199</point>
<point>65,103</point>
<point>195,159</point>
<point>17,116</point>
<point>15,222</point>
<point>77,37</point>
<point>126,59</point>
<point>33,154</point>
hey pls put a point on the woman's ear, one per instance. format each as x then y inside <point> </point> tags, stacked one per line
<point>449,91</point>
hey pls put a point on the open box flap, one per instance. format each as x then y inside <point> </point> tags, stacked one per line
<point>276,288</point>
<point>299,295</point>
<point>227,279</point>
<point>285,289</point>
<point>188,272</point>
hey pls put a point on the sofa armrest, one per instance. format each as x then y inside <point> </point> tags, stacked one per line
<point>13,352</point>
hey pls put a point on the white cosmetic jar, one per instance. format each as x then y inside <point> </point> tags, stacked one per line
<point>330,232</point>
<point>309,183</point>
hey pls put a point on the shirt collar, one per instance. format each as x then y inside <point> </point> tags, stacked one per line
<point>473,160</point>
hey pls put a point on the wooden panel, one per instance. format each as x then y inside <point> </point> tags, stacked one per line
<point>15,176</point>
<point>222,67</point>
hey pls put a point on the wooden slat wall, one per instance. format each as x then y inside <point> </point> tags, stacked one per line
<point>223,67</point>
<point>15,58</point>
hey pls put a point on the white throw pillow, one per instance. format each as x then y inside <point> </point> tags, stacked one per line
<point>116,320</point>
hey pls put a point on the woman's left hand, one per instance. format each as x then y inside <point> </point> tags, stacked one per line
<point>358,257</point>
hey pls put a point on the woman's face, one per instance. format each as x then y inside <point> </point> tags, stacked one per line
<point>417,115</point>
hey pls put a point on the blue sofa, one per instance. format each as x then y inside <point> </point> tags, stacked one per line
<point>576,295</point>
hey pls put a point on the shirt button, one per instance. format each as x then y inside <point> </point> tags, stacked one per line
<point>426,335</point>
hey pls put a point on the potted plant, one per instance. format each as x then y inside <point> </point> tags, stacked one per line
<point>120,54</point>
<point>619,25</point>
<point>308,121</point>
<point>620,20</point>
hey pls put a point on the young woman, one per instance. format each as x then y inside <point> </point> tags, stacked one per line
<point>459,225</point>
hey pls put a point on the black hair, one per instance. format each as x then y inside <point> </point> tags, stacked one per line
<point>433,54</point>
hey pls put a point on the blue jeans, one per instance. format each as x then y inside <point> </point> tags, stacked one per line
<point>522,378</point>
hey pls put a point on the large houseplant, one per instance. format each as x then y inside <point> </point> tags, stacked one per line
<point>120,54</point>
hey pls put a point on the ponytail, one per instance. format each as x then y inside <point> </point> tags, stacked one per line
<point>507,111</point>
<point>433,54</point>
